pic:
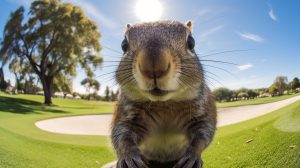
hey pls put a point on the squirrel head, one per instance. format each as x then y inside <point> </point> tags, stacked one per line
<point>159,62</point>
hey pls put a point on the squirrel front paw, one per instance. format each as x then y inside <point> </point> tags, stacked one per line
<point>130,162</point>
<point>189,160</point>
<point>133,160</point>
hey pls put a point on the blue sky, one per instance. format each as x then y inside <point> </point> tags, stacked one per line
<point>268,30</point>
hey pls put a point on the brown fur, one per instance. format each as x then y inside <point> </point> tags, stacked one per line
<point>172,128</point>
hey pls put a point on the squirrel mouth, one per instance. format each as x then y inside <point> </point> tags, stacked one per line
<point>158,92</point>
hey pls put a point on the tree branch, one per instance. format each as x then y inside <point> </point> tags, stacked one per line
<point>48,49</point>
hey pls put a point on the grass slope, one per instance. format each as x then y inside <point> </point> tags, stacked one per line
<point>271,145</point>
<point>24,145</point>
<point>255,101</point>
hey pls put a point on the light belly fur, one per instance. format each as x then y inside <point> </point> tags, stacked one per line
<point>164,146</point>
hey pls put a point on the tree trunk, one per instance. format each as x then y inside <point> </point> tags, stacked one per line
<point>2,80</point>
<point>47,86</point>
<point>18,83</point>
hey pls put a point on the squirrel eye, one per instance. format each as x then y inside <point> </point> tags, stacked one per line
<point>124,45</point>
<point>190,42</point>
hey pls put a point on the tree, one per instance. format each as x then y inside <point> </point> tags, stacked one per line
<point>114,95</point>
<point>75,94</point>
<point>243,95</point>
<point>273,90</point>
<point>295,83</point>
<point>3,59</point>
<point>280,84</point>
<point>91,85</point>
<point>222,94</point>
<point>20,73</point>
<point>252,94</point>
<point>54,38</point>
<point>107,96</point>
<point>2,80</point>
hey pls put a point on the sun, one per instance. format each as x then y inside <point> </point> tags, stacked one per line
<point>148,10</point>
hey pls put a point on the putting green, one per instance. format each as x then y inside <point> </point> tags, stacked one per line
<point>289,122</point>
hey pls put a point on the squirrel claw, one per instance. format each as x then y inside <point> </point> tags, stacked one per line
<point>135,162</point>
<point>189,162</point>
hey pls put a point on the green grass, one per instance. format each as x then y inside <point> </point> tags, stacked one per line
<point>271,135</point>
<point>255,101</point>
<point>24,145</point>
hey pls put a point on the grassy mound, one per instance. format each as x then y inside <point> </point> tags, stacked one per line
<point>272,140</point>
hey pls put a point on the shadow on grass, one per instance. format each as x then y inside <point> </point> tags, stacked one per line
<point>23,106</point>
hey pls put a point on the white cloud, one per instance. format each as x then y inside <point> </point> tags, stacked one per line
<point>244,67</point>
<point>272,14</point>
<point>251,37</point>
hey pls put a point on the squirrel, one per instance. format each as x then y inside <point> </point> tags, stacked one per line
<point>165,115</point>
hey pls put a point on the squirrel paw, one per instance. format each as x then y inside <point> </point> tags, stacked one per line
<point>189,161</point>
<point>132,162</point>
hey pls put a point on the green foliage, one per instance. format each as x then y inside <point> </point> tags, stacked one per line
<point>222,94</point>
<point>225,94</point>
<point>279,85</point>
<point>54,38</point>
<point>252,94</point>
<point>295,83</point>
<point>114,95</point>
<point>3,60</point>
<point>62,83</point>
<point>107,91</point>
<point>91,85</point>
<point>243,95</point>
<point>273,90</point>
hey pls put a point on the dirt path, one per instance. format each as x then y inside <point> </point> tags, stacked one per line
<point>100,124</point>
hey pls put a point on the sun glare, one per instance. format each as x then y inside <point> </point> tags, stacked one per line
<point>148,10</point>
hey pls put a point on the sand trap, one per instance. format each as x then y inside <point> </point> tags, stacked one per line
<point>78,125</point>
<point>100,124</point>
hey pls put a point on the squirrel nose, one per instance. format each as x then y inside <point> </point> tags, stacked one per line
<point>154,64</point>
<point>155,73</point>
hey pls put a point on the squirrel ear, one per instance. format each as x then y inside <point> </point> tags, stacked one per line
<point>189,24</point>
<point>127,26</point>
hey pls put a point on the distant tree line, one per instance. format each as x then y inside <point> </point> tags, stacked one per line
<point>279,87</point>
<point>109,95</point>
<point>92,87</point>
